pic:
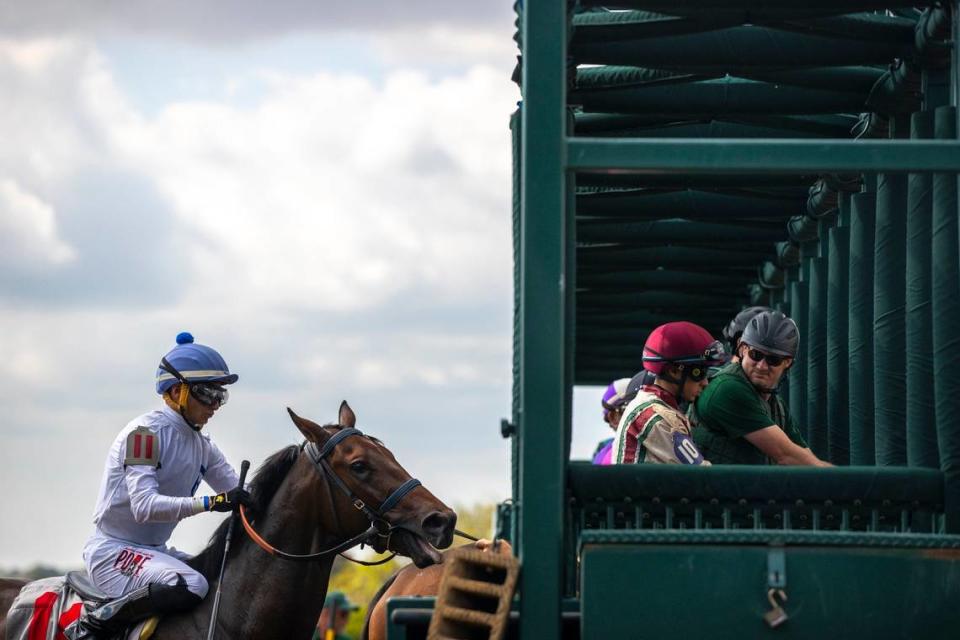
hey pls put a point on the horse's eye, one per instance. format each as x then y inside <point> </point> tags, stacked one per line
<point>359,466</point>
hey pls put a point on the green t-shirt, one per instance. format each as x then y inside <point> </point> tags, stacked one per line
<point>728,409</point>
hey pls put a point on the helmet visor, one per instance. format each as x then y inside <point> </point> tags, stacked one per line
<point>208,394</point>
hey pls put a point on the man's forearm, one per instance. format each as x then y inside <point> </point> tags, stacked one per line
<point>800,456</point>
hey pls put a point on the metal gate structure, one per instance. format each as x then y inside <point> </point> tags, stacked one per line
<point>678,160</point>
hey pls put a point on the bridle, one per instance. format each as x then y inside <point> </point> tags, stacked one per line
<point>379,526</point>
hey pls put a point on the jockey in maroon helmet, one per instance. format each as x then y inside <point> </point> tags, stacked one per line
<point>654,428</point>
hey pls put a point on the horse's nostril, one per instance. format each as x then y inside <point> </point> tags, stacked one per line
<point>439,525</point>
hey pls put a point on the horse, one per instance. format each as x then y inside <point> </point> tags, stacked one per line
<point>412,580</point>
<point>311,505</point>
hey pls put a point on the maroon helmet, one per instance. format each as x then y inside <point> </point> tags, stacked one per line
<point>681,343</point>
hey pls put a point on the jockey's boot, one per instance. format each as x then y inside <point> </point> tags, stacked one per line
<point>117,615</point>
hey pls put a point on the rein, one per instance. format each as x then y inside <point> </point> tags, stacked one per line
<point>378,524</point>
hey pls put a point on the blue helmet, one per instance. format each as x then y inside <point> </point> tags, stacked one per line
<point>194,363</point>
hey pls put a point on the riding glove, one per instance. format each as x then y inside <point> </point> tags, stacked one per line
<point>229,500</point>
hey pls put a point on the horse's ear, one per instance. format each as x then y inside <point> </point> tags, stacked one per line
<point>310,430</point>
<point>347,417</point>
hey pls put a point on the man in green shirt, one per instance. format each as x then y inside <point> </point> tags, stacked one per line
<point>334,617</point>
<point>739,417</point>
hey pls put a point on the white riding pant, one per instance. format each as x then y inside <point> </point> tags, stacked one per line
<point>118,566</point>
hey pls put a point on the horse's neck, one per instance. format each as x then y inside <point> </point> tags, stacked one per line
<point>273,597</point>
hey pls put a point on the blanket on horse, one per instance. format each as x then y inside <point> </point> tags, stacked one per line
<point>49,609</point>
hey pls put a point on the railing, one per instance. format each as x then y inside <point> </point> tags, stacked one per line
<point>671,497</point>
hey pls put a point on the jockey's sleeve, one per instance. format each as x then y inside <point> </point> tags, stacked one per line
<point>220,475</point>
<point>149,505</point>
<point>667,444</point>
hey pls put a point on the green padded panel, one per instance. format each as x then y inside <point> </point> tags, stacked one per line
<point>665,586</point>
<point>731,482</point>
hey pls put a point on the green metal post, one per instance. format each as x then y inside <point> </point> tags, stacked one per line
<point>570,279</point>
<point>543,389</point>
<point>922,450</point>
<point>797,376</point>
<point>515,121</point>
<point>946,320</point>
<point>861,328</point>
<point>889,291</point>
<point>816,357</point>
<point>838,435</point>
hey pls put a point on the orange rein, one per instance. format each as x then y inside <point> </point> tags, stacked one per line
<point>263,544</point>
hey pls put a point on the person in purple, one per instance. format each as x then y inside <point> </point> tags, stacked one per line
<point>613,401</point>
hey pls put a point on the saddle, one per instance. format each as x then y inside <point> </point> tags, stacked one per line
<point>50,608</point>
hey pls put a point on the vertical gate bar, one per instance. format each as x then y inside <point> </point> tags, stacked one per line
<point>816,357</point>
<point>946,319</point>
<point>796,380</point>
<point>860,362</point>
<point>516,120</point>
<point>543,422</point>
<point>889,300</point>
<point>922,449</point>
<point>838,267</point>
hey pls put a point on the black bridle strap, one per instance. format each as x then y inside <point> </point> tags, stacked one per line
<point>378,524</point>
<point>398,495</point>
<point>318,457</point>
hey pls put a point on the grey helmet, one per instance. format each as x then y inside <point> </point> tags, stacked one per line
<point>772,332</point>
<point>733,331</point>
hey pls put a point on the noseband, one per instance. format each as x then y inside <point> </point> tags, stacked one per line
<point>378,523</point>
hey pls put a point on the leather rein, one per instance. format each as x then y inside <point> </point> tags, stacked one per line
<point>378,524</point>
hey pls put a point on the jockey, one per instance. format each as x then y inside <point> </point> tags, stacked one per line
<point>152,471</point>
<point>613,401</point>
<point>733,331</point>
<point>653,428</point>
<point>740,417</point>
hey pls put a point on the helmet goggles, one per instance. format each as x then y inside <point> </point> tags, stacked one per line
<point>714,354</point>
<point>209,394</point>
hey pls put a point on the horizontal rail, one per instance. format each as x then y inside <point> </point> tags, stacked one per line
<point>817,538</point>
<point>735,155</point>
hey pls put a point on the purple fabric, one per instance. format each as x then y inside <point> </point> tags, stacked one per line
<point>604,454</point>
<point>614,395</point>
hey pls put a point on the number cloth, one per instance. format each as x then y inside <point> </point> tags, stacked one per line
<point>144,494</point>
<point>730,408</point>
<point>653,429</point>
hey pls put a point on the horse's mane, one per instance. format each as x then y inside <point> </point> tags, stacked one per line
<point>262,488</point>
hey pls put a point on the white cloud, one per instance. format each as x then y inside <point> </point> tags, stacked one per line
<point>341,237</point>
<point>28,230</point>
<point>334,193</point>
<point>233,21</point>
<point>449,44</point>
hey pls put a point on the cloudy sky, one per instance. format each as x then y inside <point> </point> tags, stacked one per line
<point>319,190</point>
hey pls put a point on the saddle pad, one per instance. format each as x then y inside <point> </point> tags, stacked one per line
<point>43,610</point>
<point>48,609</point>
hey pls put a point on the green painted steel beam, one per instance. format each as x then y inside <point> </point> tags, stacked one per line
<point>543,317</point>
<point>753,10</point>
<point>763,157</point>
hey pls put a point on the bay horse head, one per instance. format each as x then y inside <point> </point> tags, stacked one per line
<point>371,489</point>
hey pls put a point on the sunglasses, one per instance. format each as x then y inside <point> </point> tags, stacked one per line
<point>209,395</point>
<point>772,360</point>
